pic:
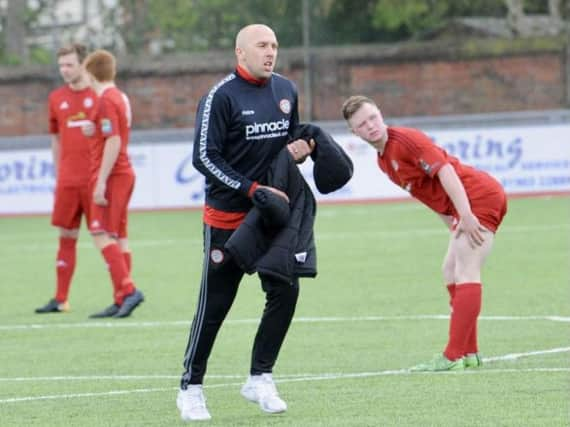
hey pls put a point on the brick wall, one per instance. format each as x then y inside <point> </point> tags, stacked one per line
<point>407,80</point>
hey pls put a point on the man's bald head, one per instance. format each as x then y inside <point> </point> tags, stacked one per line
<point>256,50</point>
<point>245,35</point>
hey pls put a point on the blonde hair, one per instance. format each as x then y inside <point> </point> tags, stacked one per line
<point>353,104</point>
<point>102,65</point>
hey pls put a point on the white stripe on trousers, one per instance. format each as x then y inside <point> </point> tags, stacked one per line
<point>201,309</point>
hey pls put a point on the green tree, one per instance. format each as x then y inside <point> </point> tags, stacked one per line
<point>190,25</point>
<point>205,24</point>
<point>345,22</point>
<point>413,18</point>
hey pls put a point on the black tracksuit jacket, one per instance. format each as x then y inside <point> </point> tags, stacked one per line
<point>240,128</point>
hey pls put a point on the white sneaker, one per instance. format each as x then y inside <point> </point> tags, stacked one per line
<point>261,389</point>
<point>192,404</point>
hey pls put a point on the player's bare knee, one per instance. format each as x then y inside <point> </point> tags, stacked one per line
<point>68,233</point>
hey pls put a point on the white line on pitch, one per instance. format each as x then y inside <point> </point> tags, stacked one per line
<point>305,376</point>
<point>324,377</point>
<point>85,244</point>
<point>186,323</point>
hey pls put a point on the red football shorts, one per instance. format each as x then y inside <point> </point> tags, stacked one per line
<point>112,219</point>
<point>490,207</point>
<point>69,204</point>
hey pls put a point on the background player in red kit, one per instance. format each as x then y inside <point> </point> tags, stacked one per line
<point>469,201</point>
<point>112,181</point>
<point>69,107</point>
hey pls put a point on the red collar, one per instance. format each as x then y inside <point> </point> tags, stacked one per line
<point>242,72</point>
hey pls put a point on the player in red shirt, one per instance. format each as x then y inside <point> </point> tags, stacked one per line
<point>111,182</point>
<point>69,107</point>
<point>470,202</point>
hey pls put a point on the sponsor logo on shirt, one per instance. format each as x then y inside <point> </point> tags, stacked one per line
<point>267,129</point>
<point>77,120</point>
<point>64,105</point>
<point>106,126</point>
<point>285,106</point>
<point>247,112</point>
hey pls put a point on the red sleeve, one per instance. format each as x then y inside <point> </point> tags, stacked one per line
<point>423,152</point>
<point>108,117</point>
<point>53,123</point>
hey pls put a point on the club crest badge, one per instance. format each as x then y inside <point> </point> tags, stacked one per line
<point>285,106</point>
<point>426,167</point>
<point>106,126</point>
<point>217,256</point>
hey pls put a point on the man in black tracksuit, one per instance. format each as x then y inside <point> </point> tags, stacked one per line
<point>241,125</point>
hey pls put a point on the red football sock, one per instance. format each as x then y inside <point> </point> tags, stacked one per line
<point>128,260</point>
<point>471,346</point>
<point>122,282</point>
<point>65,266</point>
<point>466,309</point>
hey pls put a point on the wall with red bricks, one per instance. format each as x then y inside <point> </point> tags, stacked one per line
<point>406,80</point>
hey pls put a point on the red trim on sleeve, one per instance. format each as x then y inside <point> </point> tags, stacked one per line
<point>252,189</point>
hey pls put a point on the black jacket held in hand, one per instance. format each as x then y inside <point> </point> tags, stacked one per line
<point>262,243</point>
<point>332,167</point>
<point>279,251</point>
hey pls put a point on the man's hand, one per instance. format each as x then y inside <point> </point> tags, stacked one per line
<point>276,191</point>
<point>470,225</point>
<point>301,149</point>
<point>99,194</point>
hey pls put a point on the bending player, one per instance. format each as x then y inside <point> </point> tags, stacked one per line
<point>470,202</point>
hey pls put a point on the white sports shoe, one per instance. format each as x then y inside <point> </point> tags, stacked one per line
<point>192,404</point>
<point>261,389</point>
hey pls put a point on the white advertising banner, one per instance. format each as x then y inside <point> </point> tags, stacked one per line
<point>526,160</point>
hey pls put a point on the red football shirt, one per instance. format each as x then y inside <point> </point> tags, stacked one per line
<point>113,118</point>
<point>68,110</point>
<point>412,160</point>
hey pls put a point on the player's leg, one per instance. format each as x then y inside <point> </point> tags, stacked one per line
<point>218,288</point>
<point>280,302</point>
<point>440,362</point>
<point>448,270</point>
<point>104,227</point>
<point>113,257</point>
<point>66,215</point>
<point>126,251</point>
<point>462,270</point>
<point>119,218</point>
<point>66,261</point>
<point>123,223</point>
<point>470,262</point>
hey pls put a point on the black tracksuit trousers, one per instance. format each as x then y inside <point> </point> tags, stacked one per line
<point>220,280</point>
